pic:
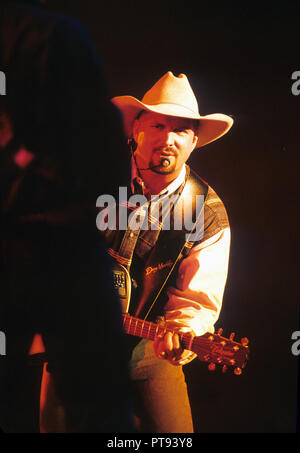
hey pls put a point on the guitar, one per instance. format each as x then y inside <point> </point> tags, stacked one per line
<point>211,348</point>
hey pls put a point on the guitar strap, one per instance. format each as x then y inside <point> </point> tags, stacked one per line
<point>171,247</point>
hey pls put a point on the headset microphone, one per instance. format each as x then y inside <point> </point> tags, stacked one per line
<point>165,162</point>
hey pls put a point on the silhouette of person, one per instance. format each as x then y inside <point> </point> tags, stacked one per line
<point>57,130</point>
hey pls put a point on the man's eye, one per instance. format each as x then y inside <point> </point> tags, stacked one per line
<point>181,130</point>
<point>157,126</point>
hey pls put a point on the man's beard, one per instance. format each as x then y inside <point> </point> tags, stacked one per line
<point>165,163</point>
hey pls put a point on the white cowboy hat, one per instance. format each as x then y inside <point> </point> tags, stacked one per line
<point>173,96</point>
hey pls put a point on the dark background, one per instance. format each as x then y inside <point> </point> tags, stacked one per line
<point>239,59</point>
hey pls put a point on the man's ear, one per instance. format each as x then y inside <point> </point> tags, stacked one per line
<point>196,133</point>
<point>137,133</point>
<point>135,130</point>
<point>195,140</point>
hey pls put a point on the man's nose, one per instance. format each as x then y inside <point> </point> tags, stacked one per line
<point>170,138</point>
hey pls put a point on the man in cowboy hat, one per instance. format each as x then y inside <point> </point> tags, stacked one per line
<point>176,281</point>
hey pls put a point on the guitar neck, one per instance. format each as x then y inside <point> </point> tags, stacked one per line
<point>149,330</point>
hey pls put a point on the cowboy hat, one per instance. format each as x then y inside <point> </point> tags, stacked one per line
<point>173,96</point>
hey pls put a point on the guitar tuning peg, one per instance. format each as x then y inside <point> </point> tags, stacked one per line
<point>211,366</point>
<point>220,331</point>
<point>224,369</point>
<point>237,371</point>
<point>244,341</point>
<point>231,337</point>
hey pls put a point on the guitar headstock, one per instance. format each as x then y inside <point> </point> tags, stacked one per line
<point>218,350</point>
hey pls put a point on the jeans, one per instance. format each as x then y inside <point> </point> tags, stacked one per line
<point>160,395</point>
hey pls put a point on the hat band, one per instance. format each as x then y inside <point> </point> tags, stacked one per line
<point>172,109</point>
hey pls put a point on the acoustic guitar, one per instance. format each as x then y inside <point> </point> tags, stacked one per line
<point>210,347</point>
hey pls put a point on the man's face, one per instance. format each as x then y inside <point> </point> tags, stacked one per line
<point>161,137</point>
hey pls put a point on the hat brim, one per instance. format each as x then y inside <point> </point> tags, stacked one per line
<point>212,126</point>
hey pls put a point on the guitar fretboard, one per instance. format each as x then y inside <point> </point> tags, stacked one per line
<point>146,329</point>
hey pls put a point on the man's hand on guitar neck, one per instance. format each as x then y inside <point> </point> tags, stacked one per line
<point>167,347</point>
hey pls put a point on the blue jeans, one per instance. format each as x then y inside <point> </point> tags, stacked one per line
<point>161,402</point>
